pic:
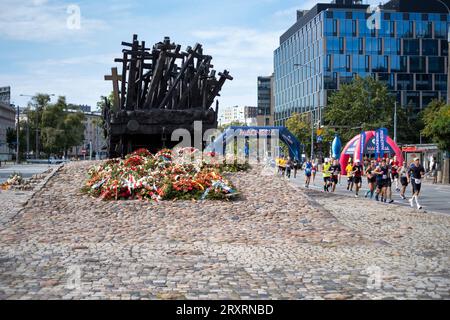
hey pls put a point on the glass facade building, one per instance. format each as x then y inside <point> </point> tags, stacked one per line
<point>265,101</point>
<point>332,43</point>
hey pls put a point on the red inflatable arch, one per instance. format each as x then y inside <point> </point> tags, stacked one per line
<point>352,149</point>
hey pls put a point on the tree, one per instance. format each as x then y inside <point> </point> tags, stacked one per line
<point>232,124</point>
<point>60,128</point>
<point>364,103</point>
<point>11,141</point>
<point>436,118</point>
<point>101,106</point>
<point>300,126</point>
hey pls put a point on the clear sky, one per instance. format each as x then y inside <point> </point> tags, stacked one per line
<point>40,53</point>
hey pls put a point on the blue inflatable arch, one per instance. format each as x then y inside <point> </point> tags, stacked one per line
<point>227,137</point>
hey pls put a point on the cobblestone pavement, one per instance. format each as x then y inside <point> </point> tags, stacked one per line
<point>277,242</point>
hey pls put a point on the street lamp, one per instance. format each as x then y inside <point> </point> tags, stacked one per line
<point>317,108</point>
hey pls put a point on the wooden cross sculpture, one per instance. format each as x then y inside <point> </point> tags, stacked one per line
<point>115,78</point>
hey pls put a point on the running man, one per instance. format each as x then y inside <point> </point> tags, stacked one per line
<point>326,175</point>
<point>382,180</point>
<point>349,169</point>
<point>357,171</point>
<point>416,173</point>
<point>295,165</point>
<point>288,167</point>
<point>389,182</point>
<point>308,172</point>
<point>403,173</point>
<point>335,172</point>
<point>371,178</point>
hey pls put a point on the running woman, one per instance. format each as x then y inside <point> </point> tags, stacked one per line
<point>314,171</point>
<point>349,169</point>
<point>357,171</point>
<point>403,173</point>
<point>416,172</point>
<point>308,172</point>
<point>326,175</point>
<point>394,172</point>
<point>371,179</point>
<point>335,172</point>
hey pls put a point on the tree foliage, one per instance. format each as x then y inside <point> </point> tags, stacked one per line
<point>231,124</point>
<point>364,102</point>
<point>436,118</point>
<point>61,129</point>
<point>300,126</point>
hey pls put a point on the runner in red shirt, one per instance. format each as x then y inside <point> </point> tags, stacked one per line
<point>394,172</point>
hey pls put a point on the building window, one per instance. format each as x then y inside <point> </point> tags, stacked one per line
<point>367,63</point>
<point>334,27</point>
<point>341,45</point>
<point>360,46</point>
<point>328,63</point>
<point>380,46</point>
<point>347,63</point>
<point>354,28</point>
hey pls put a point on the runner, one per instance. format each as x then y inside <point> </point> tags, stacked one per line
<point>308,172</point>
<point>382,174</point>
<point>394,172</point>
<point>288,167</point>
<point>416,173</point>
<point>335,172</point>
<point>434,170</point>
<point>389,181</point>
<point>314,171</point>
<point>283,165</point>
<point>349,169</point>
<point>357,171</point>
<point>403,173</point>
<point>295,166</point>
<point>326,175</point>
<point>371,178</point>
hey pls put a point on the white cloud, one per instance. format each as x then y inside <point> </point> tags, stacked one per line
<point>39,20</point>
<point>246,53</point>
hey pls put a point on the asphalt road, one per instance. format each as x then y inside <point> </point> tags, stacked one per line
<point>27,170</point>
<point>433,197</point>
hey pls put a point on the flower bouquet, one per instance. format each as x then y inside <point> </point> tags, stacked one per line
<point>166,175</point>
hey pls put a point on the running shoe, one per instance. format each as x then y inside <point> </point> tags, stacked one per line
<point>411,203</point>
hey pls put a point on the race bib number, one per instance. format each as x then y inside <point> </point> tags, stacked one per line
<point>417,181</point>
<point>384,176</point>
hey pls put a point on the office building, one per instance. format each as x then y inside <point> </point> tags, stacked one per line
<point>404,45</point>
<point>265,101</point>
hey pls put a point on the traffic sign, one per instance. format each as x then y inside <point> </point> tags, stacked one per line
<point>83,151</point>
<point>319,139</point>
<point>319,131</point>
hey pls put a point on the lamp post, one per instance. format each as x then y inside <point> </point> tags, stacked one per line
<point>395,122</point>
<point>18,135</point>
<point>312,110</point>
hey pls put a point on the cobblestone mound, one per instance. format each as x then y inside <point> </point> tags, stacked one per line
<point>273,243</point>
